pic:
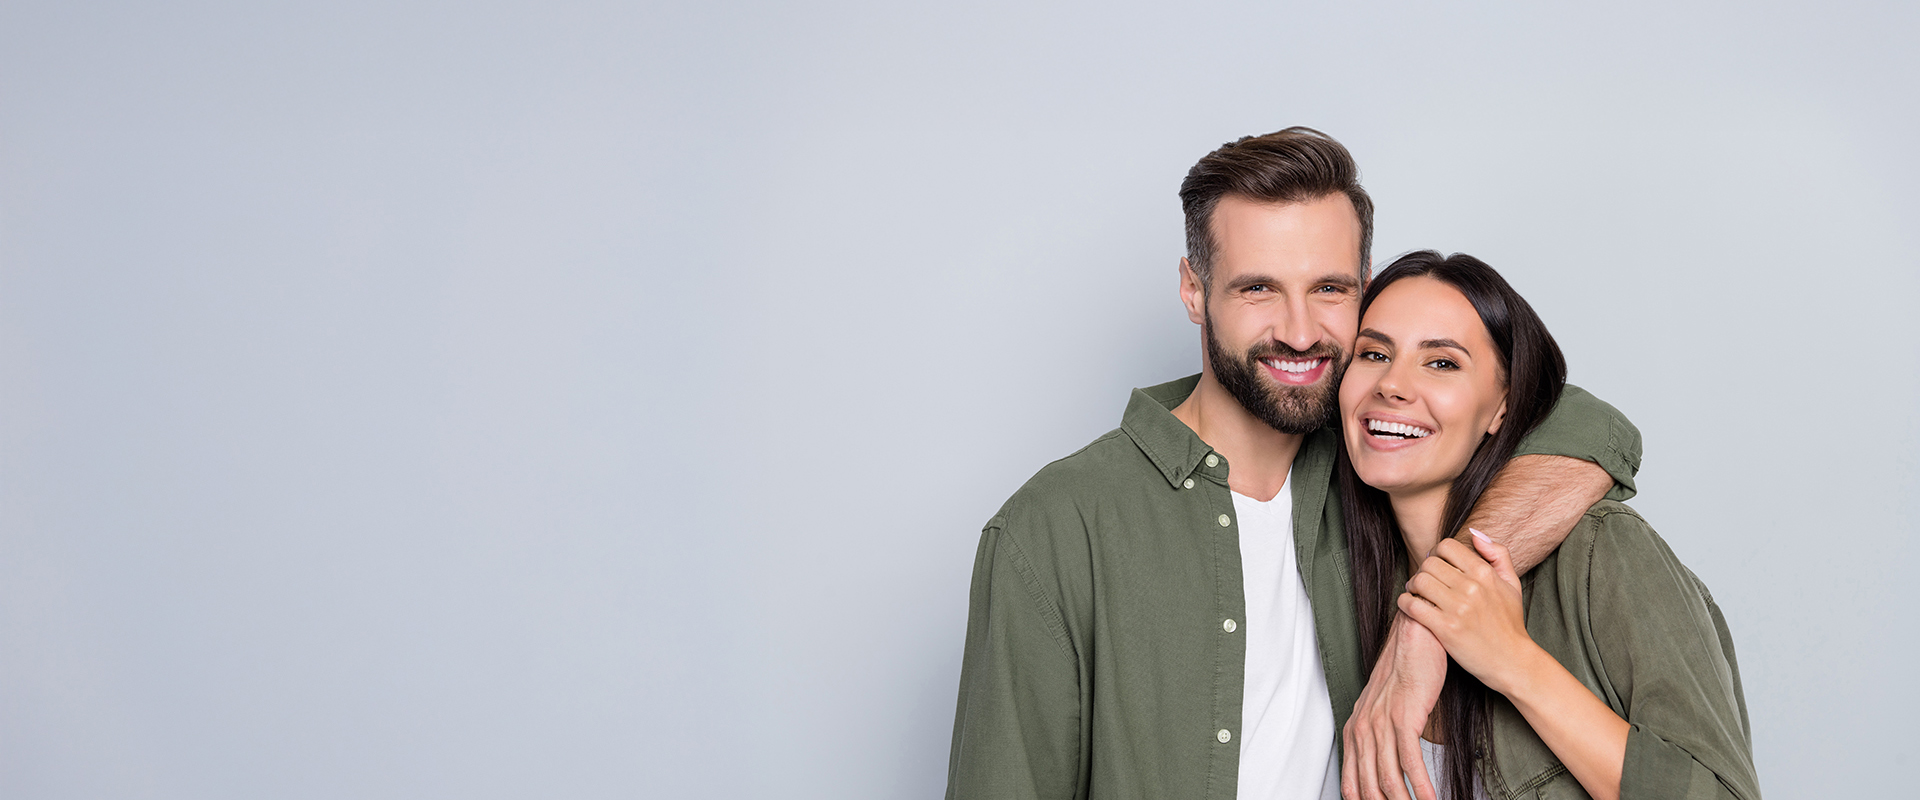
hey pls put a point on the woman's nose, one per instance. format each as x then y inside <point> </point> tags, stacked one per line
<point>1390,386</point>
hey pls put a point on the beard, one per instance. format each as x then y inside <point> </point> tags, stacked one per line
<point>1287,409</point>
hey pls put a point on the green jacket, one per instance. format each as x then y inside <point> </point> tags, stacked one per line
<point>1098,662</point>
<point>1621,613</point>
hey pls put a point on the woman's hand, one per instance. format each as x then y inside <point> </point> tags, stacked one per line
<point>1471,602</point>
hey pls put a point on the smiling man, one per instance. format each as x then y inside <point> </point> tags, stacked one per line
<point>1167,613</point>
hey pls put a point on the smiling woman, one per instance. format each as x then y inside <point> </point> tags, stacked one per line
<point>1577,673</point>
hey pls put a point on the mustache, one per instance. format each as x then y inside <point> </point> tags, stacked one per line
<point>1273,349</point>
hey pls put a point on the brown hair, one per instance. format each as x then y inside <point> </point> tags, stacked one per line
<point>1290,166</point>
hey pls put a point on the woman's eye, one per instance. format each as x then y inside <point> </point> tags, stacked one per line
<point>1376,357</point>
<point>1443,363</point>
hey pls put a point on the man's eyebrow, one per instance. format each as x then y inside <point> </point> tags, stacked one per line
<point>1334,278</point>
<point>1245,281</point>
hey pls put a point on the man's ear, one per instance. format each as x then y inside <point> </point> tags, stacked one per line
<point>1192,294</point>
<point>1499,417</point>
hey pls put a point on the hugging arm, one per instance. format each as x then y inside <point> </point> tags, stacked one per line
<point>1583,451</point>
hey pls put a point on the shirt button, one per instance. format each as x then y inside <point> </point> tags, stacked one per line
<point>1213,460</point>
<point>1229,625</point>
<point>1188,484</point>
<point>1224,736</point>
<point>1224,522</point>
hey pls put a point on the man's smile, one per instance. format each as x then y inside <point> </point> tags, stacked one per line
<point>1296,372</point>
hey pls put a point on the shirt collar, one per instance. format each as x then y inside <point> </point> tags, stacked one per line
<point>1172,446</point>
<point>1178,452</point>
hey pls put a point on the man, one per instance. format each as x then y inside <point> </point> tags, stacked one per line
<point>1166,613</point>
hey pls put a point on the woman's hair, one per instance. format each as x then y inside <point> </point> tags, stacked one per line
<point>1533,373</point>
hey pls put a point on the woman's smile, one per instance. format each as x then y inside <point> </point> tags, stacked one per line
<point>1387,432</point>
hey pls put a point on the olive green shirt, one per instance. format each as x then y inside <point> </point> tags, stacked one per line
<point>1097,662</point>
<point>1619,611</point>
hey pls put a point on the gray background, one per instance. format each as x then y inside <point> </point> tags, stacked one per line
<point>599,400</point>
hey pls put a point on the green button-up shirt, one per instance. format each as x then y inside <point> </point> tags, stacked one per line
<point>1098,663</point>
<point>1617,608</point>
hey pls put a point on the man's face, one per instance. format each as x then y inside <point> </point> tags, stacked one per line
<point>1283,307</point>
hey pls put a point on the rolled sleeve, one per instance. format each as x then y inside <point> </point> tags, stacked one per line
<point>1656,767</point>
<point>1587,428</point>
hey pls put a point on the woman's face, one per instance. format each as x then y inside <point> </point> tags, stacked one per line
<point>1425,385</point>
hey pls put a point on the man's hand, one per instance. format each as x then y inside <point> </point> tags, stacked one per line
<point>1382,738</point>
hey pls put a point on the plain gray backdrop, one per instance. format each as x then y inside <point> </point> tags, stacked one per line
<point>436,399</point>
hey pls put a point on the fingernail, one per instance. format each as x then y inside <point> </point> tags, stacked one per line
<point>1481,536</point>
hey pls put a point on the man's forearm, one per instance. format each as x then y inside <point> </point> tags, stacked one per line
<point>1534,503</point>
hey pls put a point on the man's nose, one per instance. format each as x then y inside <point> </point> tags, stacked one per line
<point>1298,330</point>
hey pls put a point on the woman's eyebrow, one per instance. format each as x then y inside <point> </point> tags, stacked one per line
<point>1434,343</point>
<point>1369,333</point>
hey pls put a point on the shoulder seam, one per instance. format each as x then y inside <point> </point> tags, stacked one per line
<point>1049,611</point>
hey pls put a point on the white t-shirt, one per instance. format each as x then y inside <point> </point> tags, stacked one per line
<point>1286,718</point>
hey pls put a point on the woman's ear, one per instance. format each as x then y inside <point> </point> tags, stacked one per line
<point>1499,416</point>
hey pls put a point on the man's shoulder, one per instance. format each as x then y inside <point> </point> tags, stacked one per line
<point>1109,461</point>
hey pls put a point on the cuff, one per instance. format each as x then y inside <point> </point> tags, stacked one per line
<point>1656,767</point>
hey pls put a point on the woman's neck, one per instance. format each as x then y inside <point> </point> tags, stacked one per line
<point>1418,515</point>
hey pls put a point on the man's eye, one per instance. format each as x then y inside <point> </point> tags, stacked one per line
<point>1259,287</point>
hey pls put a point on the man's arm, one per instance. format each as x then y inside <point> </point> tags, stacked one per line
<point>1017,727</point>
<point>1583,451</point>
<point>1533,504</point>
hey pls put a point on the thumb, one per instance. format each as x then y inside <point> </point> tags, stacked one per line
<point>1496,556</point>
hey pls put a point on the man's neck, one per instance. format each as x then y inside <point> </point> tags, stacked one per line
<point>1260,457</point>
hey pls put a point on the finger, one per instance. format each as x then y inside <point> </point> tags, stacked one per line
<point>1433,591</point>
<point>1415,765</point>
<point>1460,556</point>
<point>1364,773</point>
<point>1420,610</point>
<point>1496,555</point>
<point>1349,782</point>
<point>1392,783</point>
<point>1446,571</point>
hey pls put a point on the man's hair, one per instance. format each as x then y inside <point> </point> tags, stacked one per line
<point>1295,165</point>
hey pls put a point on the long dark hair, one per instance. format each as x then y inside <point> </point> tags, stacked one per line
<point>1535,371</point>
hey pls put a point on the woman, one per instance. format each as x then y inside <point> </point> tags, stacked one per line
<point>1608,672</point>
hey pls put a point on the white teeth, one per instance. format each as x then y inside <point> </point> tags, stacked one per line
<point>1409,431</point>
<point>1292,366</point>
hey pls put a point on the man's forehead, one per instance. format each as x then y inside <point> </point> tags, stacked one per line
<point>1288,241</point>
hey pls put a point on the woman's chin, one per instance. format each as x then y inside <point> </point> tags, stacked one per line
<point>1394,481</point>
